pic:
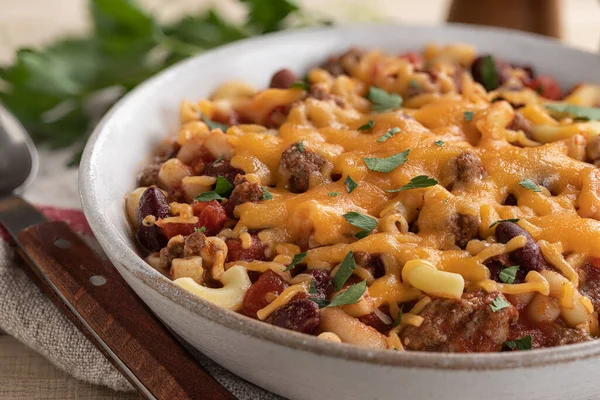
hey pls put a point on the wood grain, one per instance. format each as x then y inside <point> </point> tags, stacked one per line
<point>537,16</point>
<point>117,315</point>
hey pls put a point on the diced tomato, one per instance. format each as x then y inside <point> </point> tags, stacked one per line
<point>236,252</point>
<point>413,58</point>
<point>262,292</point>
<point>546,86</point>
<point>173,229</point>
<point>211,215</point>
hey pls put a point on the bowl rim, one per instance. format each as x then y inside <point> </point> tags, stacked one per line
<point>109,239</point>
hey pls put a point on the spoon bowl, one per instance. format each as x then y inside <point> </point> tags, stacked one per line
<point>18,155</point>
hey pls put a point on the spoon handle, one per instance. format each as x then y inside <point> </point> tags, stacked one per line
<point>116,320</point>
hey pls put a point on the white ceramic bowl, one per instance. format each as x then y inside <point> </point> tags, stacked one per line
<point>288,363</point>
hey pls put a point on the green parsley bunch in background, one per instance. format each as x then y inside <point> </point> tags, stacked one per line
<point>55,91</point>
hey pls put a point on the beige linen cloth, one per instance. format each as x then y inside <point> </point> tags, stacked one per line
<point>30,317</point>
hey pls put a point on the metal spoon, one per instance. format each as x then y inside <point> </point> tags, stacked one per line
<point>89,290</point>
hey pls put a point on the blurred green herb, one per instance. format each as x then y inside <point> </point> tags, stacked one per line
<point>59,92</point>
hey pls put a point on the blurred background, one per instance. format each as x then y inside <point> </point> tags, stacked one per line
<point>35,22</point>
<point>39,23</point>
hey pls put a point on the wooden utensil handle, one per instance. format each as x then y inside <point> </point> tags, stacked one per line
<point>110,310</point>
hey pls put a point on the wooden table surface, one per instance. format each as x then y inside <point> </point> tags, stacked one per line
<point>26,375</point>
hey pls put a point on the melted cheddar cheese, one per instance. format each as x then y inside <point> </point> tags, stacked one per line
<point>486,168</point>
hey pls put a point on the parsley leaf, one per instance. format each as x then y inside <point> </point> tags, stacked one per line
<point>214,125</point>
<point>350,184</point>
<point>218,160</point>
<point>386,164</point>
<point>508,275</point>
<point>298,258</point>
<point>439,143</point>
<point>268,15</point>
<point>301,146</point>
<point>313,288</point>
<point>515,220</point>
<point>399,317</point>
<point>587,113</point>
<point>208,196</point>
<point>468,115</point>
<point>388,134</point>
<point>223,187</point>
<point>202,229</point>
<point>382,100</point>
<point>322,303</point>
<point>489,75</point>
<point>525,343</point>
<point>333,194</point>
<point>364,222</point>
<point>499,303</point>
<point>125,46</point>
<point>529,185</point>
<point>367,126</point>
<point>300,85</point>
<point>421,181</point>
<point>344,272</point>
<point>349,296</point>
<point>266,194</point>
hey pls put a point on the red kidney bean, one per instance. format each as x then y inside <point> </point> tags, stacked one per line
<point>300,315</point>
<point>529,257</point>
<point>322,282</point>
<point>150,238</point>
<point>256,295</point>
<point>375,321</point>
<point>478,73</point>
<point>282,79</point>
<point>152,202</point>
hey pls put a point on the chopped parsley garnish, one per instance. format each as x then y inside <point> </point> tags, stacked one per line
<point>421,181</point>
<point>499,303</point>
<point>388,134</point>
<point>208,196</point>
<point>364,222</point>
<point>414,84</point>
<point>201,229</point>
<point>333,194</point>
<point>587,113</point>
<point>349,296</point>
<point>367,126</point>
<point>214,125</point>
<point>300,85</point>
<point>489,75</point>
<point>439,143</point>
<point>350,184</point>
<point>301,146</point>
<point>399,317</point>
<point>386,164</point>
<point>508,275</point>
<point>266,194</point>
<point>298,258</point>
<point>322,303</point>
<point>344,272</point>
<point>223,187</point>
<point>382,100</point>
<point>313,288</point>
<point>468,115</point>
<point>515,220</point>
<point>525,343</point>
<point>218,160</point>
<point>529,185</point>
